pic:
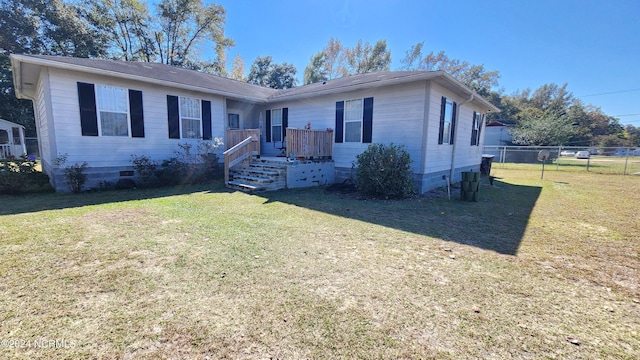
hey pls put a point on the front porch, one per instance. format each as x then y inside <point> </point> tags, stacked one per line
<point>12,143</point>
<point>307,162</point>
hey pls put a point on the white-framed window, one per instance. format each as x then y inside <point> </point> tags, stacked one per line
<point>113,110</point>
<point>447,122</point>
<point>353,110</point>
<point>190,118</point>
<point>475,130</point>
<point>276,125</point>
<point>233,121</point>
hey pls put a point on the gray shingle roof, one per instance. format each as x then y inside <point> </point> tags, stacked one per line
<point>353,82</point>
<point>168,73</point>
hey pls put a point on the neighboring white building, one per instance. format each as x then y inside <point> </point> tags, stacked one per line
<point>11,140</point>
<point>497,134</point>
<point>102,112</point>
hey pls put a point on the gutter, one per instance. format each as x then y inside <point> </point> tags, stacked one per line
<point>455,134</point>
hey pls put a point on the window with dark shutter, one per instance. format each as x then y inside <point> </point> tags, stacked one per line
<point>88,112</point>
<point>474,129</point>
<point>339,121</point>
<point>206,120</point>
<point>446,133</point>
<point>173,116</point>
<point>367,121</point>
<point>453,124</point>
<point>136,113</point>
<point>285,122</point>
<point>480,129</point>
<point>268,125</point>
<point>478,120</point>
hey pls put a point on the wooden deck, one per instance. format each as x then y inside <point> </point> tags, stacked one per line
<point>243,149</point>
<point>309,143</point>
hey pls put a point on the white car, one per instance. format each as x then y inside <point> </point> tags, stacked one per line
<point>582,155</point>
<point>567,153</point>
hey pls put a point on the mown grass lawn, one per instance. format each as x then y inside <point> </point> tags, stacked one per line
<point>203,272</point>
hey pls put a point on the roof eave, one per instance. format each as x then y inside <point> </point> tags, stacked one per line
<point>17,80</point>
<point>65,66</point>
<point>460,86</point>
<point>394,81</point>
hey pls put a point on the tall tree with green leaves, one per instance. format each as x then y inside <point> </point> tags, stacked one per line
<point>329,63</point>
<point>364,58</point>
<point>127,23</point>
<point>174,34</point>
<point>40,27</point>
<point>543,128</point>
<point>183,26</point>
<point>265,72</point>
<point>336,60</point>
<point>315,71</point>
<point>632,133</point>
<point>237,71</point>
<point>475,77</point>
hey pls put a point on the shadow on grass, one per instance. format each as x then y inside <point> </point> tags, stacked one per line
<point>20,204</point>
<point>496,222</point>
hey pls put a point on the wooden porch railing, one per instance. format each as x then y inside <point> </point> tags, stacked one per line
<point>240,152</point>
<point>234,137</point>
<point>309,143</point>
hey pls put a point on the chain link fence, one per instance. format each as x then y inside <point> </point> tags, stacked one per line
<point>610,160</point>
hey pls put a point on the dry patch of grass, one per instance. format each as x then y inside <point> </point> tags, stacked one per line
<point>308,274</point>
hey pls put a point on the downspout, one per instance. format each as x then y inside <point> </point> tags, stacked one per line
<point>455,134</point>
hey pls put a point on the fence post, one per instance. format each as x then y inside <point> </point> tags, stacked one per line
<point>625,163</point>
<point>558,161</point>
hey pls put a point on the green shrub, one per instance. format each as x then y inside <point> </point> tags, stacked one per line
<point>384,171</point>
<point>73,174</point>
<point>189,166</point>
<point>146,169</point>
<point>171,172</point>
<point>19,176</point>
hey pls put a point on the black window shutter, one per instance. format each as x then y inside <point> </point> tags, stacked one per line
<point>480,130</point>
<point>174,117</point>
<point>453,124</point>
<point>367,120</point>
<point>339,121</point>
<point>474,132</point>
<point>285,122</point>
<point>88,112</point>
<point>268,125</point>
<point>206,120</point>
<point>443,107</point>
<point>136,113</point>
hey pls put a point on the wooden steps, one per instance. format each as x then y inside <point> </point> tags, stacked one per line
<point>261,175</point>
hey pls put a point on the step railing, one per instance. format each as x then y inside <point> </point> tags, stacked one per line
<point>241,152</point>
<point>235,136</point>
<point>309,143</point>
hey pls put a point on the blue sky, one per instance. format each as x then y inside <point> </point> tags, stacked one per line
<point>593,45</point>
